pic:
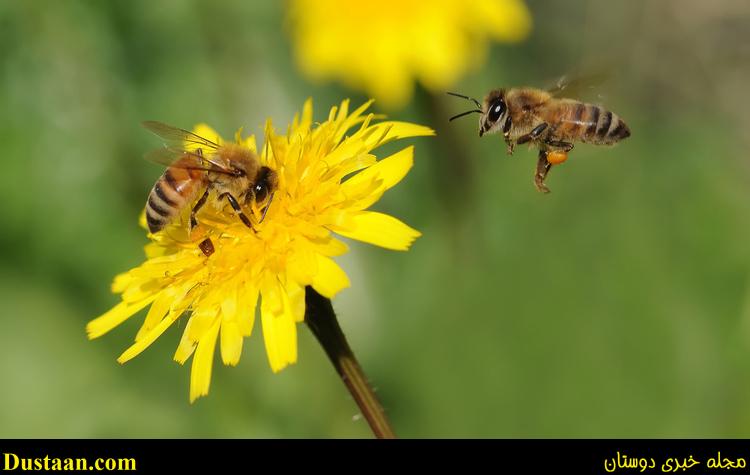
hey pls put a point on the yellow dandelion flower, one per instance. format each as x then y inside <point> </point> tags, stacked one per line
<point>327,180</point>
<point>383,46</point>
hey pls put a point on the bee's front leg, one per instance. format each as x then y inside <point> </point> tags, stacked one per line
<point>535,133</point>
<point>509,143</point>
<point>238,209</point>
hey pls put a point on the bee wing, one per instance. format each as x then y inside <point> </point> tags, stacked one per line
<point>180,158</point>
<point>578,86</point>
<point>178,137</point>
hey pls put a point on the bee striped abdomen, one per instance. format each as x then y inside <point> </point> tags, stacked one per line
<point>588,123</point>
<point>574,120</point>
<point>608,129</point>
<point>175,189</point>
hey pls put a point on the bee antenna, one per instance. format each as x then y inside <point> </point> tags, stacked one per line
<point>479,105</point>
<point>464,113</point>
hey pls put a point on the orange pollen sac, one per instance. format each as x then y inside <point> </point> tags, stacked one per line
<point>556,157</point>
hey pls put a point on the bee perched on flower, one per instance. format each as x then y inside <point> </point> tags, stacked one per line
<point>382,47</point>
<point>324,179</point>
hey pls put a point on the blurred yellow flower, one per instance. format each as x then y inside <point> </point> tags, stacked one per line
<point>317,196</point>
<point>382,46</point>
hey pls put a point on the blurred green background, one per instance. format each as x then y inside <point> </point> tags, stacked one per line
<point>617,306</point>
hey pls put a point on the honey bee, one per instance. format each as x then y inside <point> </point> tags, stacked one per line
<point>220,173</point>
<point>552,124</point>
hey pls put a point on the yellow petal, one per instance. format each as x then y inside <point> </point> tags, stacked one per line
<point>330,278</point>
<point>250,143</point>
<point>305,121</point>
<point>302,266</point>
<point>363,196</point>
<point>384,132</point>
<point>156,313</point>
<point>361,109</point>
<point>231,343</point>
<point>142,219</point>
<point>200,374</point>
<point>279,329</point>
<point>186,347</point>
<point>366,187</point>
<point>330,247</point>
<point>146,339</point>
<point>202,319</point>
<point>402,130</point>
<point>144,289</point>
<point>247,300</point>
<point>353,118</point>
<point>118,314</point>
<point>296,297</point>
<point>347,166</point>
<point>271,296</point>
<point>229,303</point>
<point>378,229</point>
<point>122,282</point>
<point>390,170</point>
<point>343,110</point>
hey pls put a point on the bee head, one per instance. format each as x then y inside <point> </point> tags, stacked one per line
<point>263,188</point>
<point>265,183</point>
<point>495,115</point>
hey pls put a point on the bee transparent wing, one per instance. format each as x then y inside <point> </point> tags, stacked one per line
<point>177,136</point>
<point>180,158</point>
<point>579,86</point>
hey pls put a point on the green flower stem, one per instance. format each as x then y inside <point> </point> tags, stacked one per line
<point>322,321</point>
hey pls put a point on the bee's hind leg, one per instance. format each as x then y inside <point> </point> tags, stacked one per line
<point>551,152</point>
<point>560,145</point>
<point>542,168</point>
<point>207,247</point>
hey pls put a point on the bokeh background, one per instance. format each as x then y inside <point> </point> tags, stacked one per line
<point>617,306</point>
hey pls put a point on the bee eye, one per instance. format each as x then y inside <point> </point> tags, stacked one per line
<point>260,192</point>
<point>497,109</point>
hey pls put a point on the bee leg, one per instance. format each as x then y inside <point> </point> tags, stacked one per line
<point>236,207</point>
<point>509,143</point>
<point>198,205</point>
<point>265,210</point>
<point>207,247</point>
<point>542,168</point>
<point>564,146</point>
<point>535,133</point>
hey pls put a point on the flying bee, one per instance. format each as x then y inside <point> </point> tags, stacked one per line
<point>540,118</point>
<point>219,173</point>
